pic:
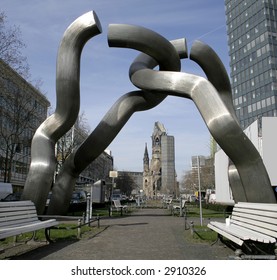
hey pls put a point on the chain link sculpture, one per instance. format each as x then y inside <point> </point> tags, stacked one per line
<point>212,96</point>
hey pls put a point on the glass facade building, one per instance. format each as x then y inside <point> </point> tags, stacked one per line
<point>252,41</point>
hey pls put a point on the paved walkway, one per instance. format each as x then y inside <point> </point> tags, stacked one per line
<point>147,234</point>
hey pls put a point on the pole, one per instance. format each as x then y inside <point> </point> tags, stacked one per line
<point>111,211</point>
<point>90,209</point>
<point>199,191</point>
<point>113,174</point>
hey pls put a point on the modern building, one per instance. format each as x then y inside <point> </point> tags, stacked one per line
<point>159,176</point>
<point>99,169</point>
<point>252,40</point>
<point>264,138</point>
<point>22,109</point>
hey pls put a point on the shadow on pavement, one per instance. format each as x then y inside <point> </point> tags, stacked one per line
<point>43,251</point>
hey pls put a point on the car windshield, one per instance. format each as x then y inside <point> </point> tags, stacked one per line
<point>75,196</point>
<point>12,197</point>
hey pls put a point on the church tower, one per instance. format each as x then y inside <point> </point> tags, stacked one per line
<point>159,176</point>
<point>146,173</point>
<point>146,160</point>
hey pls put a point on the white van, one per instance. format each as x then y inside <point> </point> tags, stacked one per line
<point>5,189</point>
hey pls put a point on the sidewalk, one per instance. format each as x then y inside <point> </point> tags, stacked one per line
<point>146,234</point>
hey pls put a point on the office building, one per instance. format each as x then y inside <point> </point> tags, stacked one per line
<point>22,109</point>
<point>252,40</point>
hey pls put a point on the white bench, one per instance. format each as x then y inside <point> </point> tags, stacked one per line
<point>256,222</point>
<point>119,207</point>
<point>19,217</point>
<point>178,207</point>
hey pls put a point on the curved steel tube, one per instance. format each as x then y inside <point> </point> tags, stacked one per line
<point>238,191</point>
<point>212,98</point>
<point>122,110</point>
<point>43,162</point>
<point>211,64</point>
<point>215,71</point>
<point>221,122</point>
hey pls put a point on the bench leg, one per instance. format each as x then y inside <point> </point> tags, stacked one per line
<point>47,235</point>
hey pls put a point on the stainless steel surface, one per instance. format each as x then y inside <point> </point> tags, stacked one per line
<point>43,161</point>
<point>167,56</point>
<point>212,96</point>
<point>216,109</point>
<point>246,160</point>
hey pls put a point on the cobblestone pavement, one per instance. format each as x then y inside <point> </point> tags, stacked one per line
<point>146,234</point>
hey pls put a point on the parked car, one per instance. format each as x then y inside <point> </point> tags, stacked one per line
<point>5,190</point>
<point>78,201</point>
<point>12,197</point>
<point>124,197</point>
<point>116,197</point>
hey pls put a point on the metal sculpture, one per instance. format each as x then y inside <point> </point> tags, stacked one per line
<point>216,109</point>
<point>43,161</point>
<point>121,111</point>
<point>212,98</point>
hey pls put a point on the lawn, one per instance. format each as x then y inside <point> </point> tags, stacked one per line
<point>62,232</point>
<point>203,233</point>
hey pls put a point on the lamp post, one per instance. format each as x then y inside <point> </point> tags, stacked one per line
<point>199,191</point>
<point>112,174</point>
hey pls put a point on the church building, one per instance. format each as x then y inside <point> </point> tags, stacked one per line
<point>159,176</point>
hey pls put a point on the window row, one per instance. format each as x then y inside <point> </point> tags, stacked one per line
<point>261,93</point>
<point>246,71</point>
<point>265,80</point>
<point>261,104</point>
<point>245,121</point>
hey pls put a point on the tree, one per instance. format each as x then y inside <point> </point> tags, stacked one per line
<point>11,47</point>
<point>21,110</point>
<point>207,178</point>
<point>125,183</point>
<point>71,140</point>
<point>18,117</point>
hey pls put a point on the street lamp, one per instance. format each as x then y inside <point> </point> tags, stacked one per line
<point>112,174</point>
<point>199,191</point>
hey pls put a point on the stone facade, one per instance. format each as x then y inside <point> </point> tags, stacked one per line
<point>159,176</point>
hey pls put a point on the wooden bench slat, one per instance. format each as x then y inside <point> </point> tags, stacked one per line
<point>18,222</point>
<point>18,217</point>
<point>16,203</point>
<point>226,234</point>
<point>13,209</point>
<point>256,228</point>
<point>27,228</point>
<point>263,222</point>
<point>232,229</point>
<point>240,232</point>
<point>243,233</point>
<point>258,206</point>
<point>117,204</point>
<point>250,221</point>
<point>259,213</point>
<point>23,213</point>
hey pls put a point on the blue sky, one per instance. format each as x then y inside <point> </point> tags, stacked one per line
<point>104,70</point>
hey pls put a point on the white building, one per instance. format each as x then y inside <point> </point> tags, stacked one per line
<point>263,134</point>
